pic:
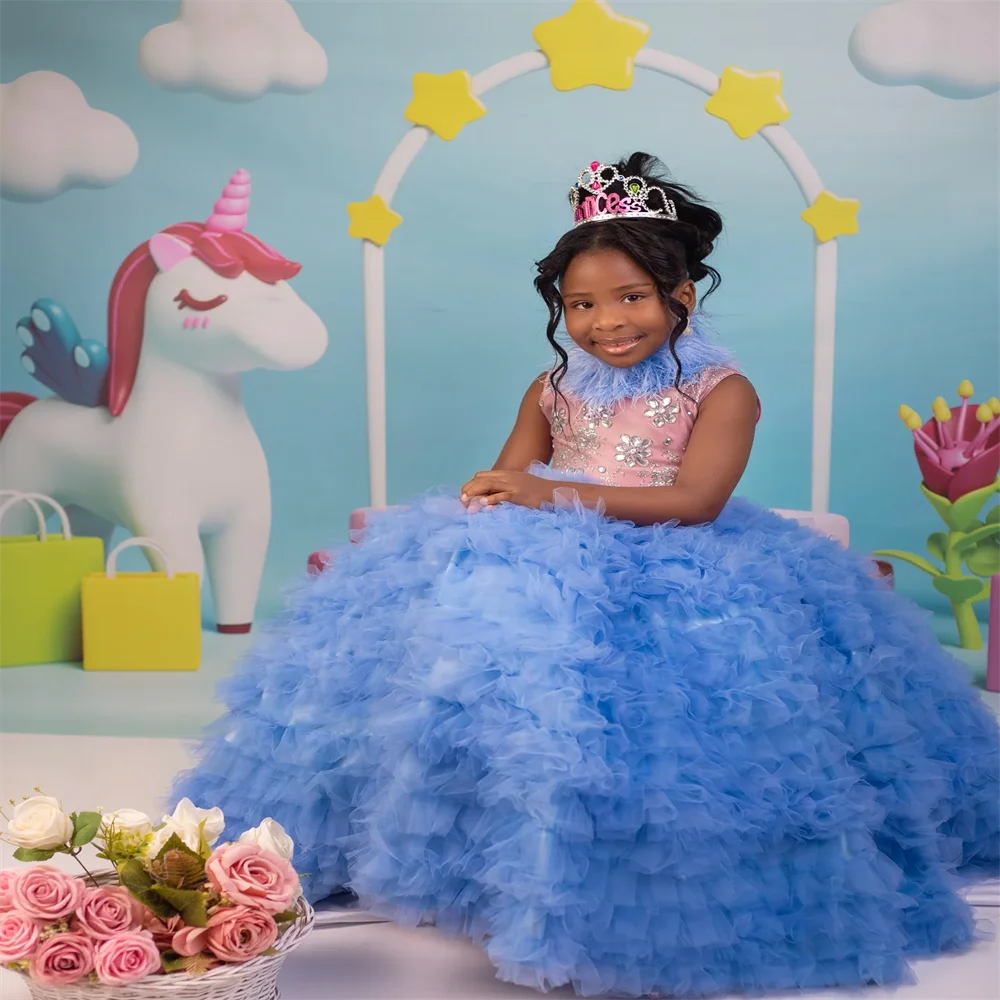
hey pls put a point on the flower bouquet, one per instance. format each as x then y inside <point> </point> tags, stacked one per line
<point>959,457</point>
<point>177,914</point>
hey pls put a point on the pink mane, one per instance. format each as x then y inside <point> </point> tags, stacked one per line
<point>227,254</point>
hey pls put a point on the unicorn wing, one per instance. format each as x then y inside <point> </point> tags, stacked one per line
<point>56,355</point>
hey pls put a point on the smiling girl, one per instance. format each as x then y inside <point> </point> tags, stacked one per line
<point>625,732</point>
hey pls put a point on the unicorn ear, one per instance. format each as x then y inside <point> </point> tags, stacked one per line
<point>168,251</point>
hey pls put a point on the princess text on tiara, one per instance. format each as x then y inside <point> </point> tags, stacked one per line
<point>633,197</point>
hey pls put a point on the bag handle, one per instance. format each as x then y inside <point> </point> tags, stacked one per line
<point>143,543</point>
<point>15,497</point>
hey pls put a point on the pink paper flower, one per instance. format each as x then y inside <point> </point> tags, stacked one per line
<point>106,911</point>
<point>45,893</point>
<point>249,875</point>
<point>239,933</point>
<point>7,878</point>
<point>163,931</point>
<point>18,936</point>
<point>126,958</point>
<point>959,468</point>
<point>62,959</point>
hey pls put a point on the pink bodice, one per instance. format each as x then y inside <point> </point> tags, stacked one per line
<point>636,442</point>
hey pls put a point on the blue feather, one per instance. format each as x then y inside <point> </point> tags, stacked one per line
<point>598,384</point>
<point>55,355</point>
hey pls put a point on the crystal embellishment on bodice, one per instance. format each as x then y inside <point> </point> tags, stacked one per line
<point>635,442</point>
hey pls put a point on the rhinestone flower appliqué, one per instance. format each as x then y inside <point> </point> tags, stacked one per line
<point>603,415</point>
<point>662,411</point>
<point>559,417</point>
<point>633,450</point>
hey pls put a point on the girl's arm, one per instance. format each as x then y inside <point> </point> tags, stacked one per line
<point>531,439</point>
<point>713,463</point>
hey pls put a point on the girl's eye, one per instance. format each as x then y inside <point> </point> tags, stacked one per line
<point>634,297</point>
<point>581,305</point>
<point>185,299</point>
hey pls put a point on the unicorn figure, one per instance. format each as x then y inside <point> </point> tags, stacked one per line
<point>151,433</point>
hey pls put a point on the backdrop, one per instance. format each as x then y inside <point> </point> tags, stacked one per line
<point>918,305</point>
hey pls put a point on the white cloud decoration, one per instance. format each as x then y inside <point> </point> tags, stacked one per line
<point>949,47</point>
<point>51,139</point>
<point>234,49</point>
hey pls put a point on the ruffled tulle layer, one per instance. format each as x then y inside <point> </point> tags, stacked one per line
<point>638,760</point>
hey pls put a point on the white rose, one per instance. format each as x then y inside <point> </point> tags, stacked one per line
<point>39,824</point>
<point>129,821</point>
<point>191,824</point>
<point>272,837</point>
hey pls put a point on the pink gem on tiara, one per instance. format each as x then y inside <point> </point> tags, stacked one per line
<point>639,200</point>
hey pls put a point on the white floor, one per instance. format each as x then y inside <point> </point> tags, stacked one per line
<point>369,961</point>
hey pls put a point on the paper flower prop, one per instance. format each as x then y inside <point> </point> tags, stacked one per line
<point>959,458</point>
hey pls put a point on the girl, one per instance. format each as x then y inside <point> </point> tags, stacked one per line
<point>623,731</point>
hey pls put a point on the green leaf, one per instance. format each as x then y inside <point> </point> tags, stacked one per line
<point>85,827</point>
<point>966,509</point>
<point>990,532</point>
<point>270,951</point>
<point>984,560</point>
<point>172,962</point>
<point>140,883</point>
<point>993,515</point>
<point>937,544</point>
<point>941,504</point>
<point>962,514</point>
<point>31,854</point>
<point>285,916</point>
<point>959,588</point>
<point>176,844</point>
<point>189,903</point>
<point>909,557</point>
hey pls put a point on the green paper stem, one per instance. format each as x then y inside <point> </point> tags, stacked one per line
<point>969,634</point>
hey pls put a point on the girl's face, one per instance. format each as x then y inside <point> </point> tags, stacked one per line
<point>613,310</point>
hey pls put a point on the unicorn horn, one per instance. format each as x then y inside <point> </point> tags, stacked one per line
<point>230,212</point>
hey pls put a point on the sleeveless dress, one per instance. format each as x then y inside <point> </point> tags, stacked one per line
<point>638,760</point>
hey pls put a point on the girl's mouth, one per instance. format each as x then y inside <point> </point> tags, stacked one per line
<point>621,345</point>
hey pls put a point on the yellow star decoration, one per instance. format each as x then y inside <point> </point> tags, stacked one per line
<point>748,101</point>
<point>372,220</point>
<point>831,216</point>
<point>591,46</point>
<point>444,102</point>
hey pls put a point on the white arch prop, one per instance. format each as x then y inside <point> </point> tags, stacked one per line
<point>776,136</point>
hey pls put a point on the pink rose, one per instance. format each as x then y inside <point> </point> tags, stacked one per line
<point>7,877</point>
<point>126,958</point>
<point>45,893</point>
<point>249,875</point>
<point>239,933</point>
<point>107,911</point>
<point>18,936</point>
<point>189,941</point>
<point>163,931</point>
<point>62,959</point>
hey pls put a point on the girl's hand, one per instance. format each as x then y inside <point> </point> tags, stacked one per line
<point>491,488</point>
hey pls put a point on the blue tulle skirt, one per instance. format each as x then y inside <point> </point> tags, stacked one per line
<point>659,760</point>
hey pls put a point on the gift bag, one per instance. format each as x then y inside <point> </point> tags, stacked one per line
<point>40,578</point>
<point>141,621</point>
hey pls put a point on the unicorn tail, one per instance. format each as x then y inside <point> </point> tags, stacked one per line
<point>11,404</point>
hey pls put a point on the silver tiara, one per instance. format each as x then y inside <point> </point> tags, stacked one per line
<point>638,200</point>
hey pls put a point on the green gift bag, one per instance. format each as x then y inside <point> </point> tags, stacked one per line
<point>40,584</point>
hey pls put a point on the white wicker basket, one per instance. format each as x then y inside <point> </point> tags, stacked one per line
<point>253,980</point>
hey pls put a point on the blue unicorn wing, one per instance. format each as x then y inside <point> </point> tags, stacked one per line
<point>55,355</point>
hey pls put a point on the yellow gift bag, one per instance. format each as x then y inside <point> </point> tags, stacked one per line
<point>40,577</point>
<point>141,621</point>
